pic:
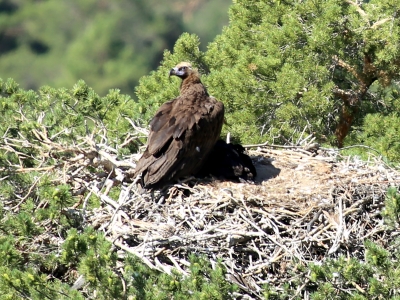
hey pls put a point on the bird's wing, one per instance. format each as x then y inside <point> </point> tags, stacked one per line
<point>202,133</point>
<point>171,121</point>
<point>181,136</point>
<point>164,144</point>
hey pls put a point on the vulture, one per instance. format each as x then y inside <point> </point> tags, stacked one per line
<point>182,132</point>
<point>229,161</point>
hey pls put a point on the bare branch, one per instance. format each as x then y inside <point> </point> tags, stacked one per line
<point>358,9</point>
<point>347,67</point>
<point>380,22</point>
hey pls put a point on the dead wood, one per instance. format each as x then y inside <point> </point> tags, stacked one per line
<point>303,208</point>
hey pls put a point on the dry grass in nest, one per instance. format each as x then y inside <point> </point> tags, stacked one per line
<point>303,208</point>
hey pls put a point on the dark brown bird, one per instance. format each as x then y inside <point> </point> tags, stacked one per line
<point>182,132</point>
<point>230,162</point>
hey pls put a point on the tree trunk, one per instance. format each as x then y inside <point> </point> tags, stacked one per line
<point>352,99</point>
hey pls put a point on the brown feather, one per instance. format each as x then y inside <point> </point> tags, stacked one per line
<point>182,132</point>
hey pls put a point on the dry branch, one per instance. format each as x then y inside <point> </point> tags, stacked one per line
<point>304,207</point>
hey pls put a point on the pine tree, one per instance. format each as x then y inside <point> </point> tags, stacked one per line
<point>285,66</point>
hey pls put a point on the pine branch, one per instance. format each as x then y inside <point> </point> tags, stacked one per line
<point>358,9</point>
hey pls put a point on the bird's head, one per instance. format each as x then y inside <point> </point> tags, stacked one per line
<point>182,70</point>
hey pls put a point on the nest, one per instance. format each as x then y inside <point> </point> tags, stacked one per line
<point>304,207</point>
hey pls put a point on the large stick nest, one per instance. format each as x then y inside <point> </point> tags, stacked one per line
<point>304,207</point>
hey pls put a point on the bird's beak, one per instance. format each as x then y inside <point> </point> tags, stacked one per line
<point>172,72</point>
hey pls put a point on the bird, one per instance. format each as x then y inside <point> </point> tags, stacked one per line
<point>230,162</point>
<point>182,132</point>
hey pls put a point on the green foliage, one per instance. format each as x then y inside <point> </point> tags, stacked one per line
<point>391,213</point>
<point>203,282</point>
<point>62,117</point>
<point>379,128</point>
<point>382,132</point>
<point>9,255</point>
<point>23,273</point>
<point>91,253</point>
<point>63,113</point>
<point>27,284</point>
<point>349,278</point>
<point>23,225</point>
<point>36,203</point>
<point>274,69</point>
<point>274,66</point>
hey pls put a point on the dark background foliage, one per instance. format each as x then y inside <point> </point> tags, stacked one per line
<point>109,44</point>
<point>327,68</point>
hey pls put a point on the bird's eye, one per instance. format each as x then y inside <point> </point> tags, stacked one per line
<point>182,68</point>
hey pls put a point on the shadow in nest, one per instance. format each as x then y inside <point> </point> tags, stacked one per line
<point>265,169</point>
<point>226,162</point>
<point>229,162</point>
